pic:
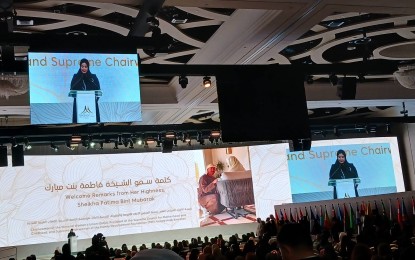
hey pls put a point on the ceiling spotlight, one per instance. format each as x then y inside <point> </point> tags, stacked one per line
<point>156,31</point>
<point>54,147</point>
<point>150,140</point>
<point>27,145</point>
<point>309,79</point>
<point>170,135</point>
<point>215,133</point>
<point>183,81</point>
<point>200,138</point>
<point>333,79</point>
<point>140,141</point>
<point>207,83</point>
<point>70,146</point>
<point>152,21</point>
<point>75,140</point>
<point>14,142</point>
<point>361,77</point>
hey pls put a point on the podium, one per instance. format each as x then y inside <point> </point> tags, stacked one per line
<point>85,105</point>
<point>73,244</point>
<point>344,188</point>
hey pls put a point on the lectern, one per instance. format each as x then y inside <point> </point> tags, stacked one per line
<point>85,108</point>
<point>73,244</point>
<point>344,188</point>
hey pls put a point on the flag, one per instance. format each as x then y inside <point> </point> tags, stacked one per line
<point>376,208</point>
<point>285,216</point>
<point>399,215</point>
<point>339,212</point>
<point>363,209</point>
<point>345,218</point>
<point>333,212</point>
<point>281,215</point>
<point>413,205</point>
<point>312,221</point>
<point>390,210</point>
<point>327,222</point>
<point>312,217</point>
<point>404,212</point>
<point>321,216</point>
<point>301,213</point>
<point>352,218</point>
<point>297,216</point>
<point>291,216</point>
<point>368,209</point>
<point>383,208</point>
<point>277,219</point>
<point>358,220</point>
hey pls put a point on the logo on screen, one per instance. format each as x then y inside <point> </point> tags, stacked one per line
<point>86,111</point>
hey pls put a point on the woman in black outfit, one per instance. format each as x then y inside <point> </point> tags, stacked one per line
<point>85,80</point>
<point>342,169</point>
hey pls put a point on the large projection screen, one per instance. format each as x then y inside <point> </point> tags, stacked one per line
<point>133,193</point>
<point>57,88</point>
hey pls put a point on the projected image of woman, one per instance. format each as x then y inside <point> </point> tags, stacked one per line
<point>342,169</point>
<point>85,80</point>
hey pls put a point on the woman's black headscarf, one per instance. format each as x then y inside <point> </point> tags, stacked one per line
<point>88,73</point>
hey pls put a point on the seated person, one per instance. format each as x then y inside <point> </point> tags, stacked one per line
<point>208,197</point>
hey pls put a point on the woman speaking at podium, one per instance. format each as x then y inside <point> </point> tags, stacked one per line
<point>84,80</point>
<point>341,170</point>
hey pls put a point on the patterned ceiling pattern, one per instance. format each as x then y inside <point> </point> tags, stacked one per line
<point>239,32</point>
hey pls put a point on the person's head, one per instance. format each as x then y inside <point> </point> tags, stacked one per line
<point>71,230</point>
<point>294,241</point>
<point>210,169</point>
<point>84,65</point>
<point>157,254</point>
<point>341,156</point>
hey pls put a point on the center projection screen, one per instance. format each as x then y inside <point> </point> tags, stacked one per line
<point>131,193</point>
<point>70,88</point>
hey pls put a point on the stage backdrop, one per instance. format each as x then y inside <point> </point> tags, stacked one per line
<point>120,194</point>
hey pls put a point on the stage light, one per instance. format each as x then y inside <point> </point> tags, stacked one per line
<point>152,21</point>
<point>27,145</point>
<point>91,143</point>
<point>170,135</point>
<point>14,142</point>
<point>309,79</point>
<point>200,138</point>
<point>150,140</point>
<point>207,83</point>
<point>140,141</point>
<point>54,147</point>
<point>70,146</point>
<point>333,79</point>
<point>183,81</point>
<point>215,133</point>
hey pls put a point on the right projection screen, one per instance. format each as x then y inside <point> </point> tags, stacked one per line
<point>281,176</point>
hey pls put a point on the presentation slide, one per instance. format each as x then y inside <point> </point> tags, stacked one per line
<point>84,88</point>
<point>281,176</point>
<point>116,194</point>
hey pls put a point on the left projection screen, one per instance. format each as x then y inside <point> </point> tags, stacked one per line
<point>64,91</point>
<point>118,193</point>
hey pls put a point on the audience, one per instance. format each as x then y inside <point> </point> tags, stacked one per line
<point>275,240</point>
